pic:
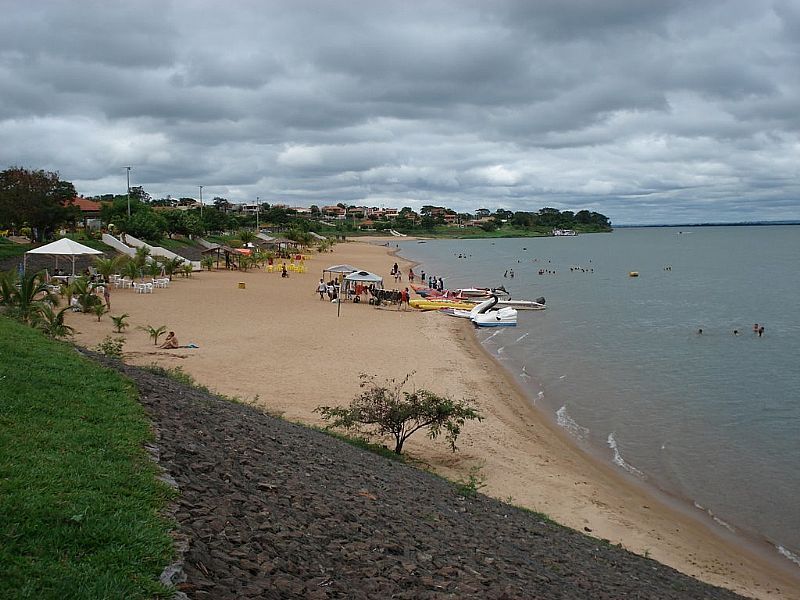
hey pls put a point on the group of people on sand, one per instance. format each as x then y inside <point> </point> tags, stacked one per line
<point>436,283</point>
<point>329,289</point>
<point>403,299</point>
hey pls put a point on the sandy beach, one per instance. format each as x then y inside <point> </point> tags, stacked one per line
<point>275,344</point>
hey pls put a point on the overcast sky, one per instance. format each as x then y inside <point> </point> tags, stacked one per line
<point>648,112</point>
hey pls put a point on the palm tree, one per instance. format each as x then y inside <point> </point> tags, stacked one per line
<point>154,332</point>
<point>171,265</point>
<point>83,289</point>
<point>99,310</point>
<point>51,322</point>
<point>131,270</point>
<point>141,256</point>
<point>25,295</point>
<point>119,322</point>
<point>154,269</point>
<point>246,236</point>
<point>107,266</point>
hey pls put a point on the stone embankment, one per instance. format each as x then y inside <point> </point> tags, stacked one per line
<point>269,509</point>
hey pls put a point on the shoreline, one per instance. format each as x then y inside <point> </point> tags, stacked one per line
<point>253,345</point>
<point>751,543</point>
<point>748,543</point>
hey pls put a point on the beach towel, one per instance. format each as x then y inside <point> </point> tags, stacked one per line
<point>189,346</point>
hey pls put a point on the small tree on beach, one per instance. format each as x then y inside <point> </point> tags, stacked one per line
<point>154,332</point>
<point>119,322</point>
<point>22,296</point>
<point>388,409</point>
<point>51,321</point>
<point>99,310</point>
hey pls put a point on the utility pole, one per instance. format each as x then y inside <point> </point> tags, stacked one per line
<point>257,207</point>
<point>128,169</point>
<point>201,201</point>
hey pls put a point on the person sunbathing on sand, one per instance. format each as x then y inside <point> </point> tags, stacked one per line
<point>170,342</point>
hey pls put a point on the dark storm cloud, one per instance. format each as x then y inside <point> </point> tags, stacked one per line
<point>667,111</point>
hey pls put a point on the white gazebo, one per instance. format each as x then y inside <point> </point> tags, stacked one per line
<point>339,269</point>
<point>362,277</point>
<point>62,247</point>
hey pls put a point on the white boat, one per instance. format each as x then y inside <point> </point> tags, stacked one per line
<point>537,304</point>
<point>485,315</point>
<point>564,232</point>
<point>456,312</point>
<point>476,293</point>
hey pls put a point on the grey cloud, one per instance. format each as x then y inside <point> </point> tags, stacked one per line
<point>643,111</point>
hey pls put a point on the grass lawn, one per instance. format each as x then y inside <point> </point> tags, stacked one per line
<point>176,244</point>
<point>79,501</point>
<point>9,249</point>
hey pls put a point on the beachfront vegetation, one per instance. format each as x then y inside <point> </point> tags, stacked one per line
<point>79,498</point>
<point>51,322</point>
<point>9,249</point>
<point>154,332</point>
<point>35,203</point>
<point>36,200</point>
<point>24,296</point>
<point>390,410</point>
<point>120,323</point>
<point>111,346</point>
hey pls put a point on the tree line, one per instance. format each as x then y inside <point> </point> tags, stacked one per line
<point>38,202</point>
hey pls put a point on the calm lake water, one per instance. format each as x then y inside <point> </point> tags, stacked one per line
<point>712,419</point>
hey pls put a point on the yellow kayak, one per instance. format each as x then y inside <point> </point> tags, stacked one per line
<point>423,304</point>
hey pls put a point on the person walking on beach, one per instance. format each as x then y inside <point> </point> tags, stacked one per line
<point>411,275</point>
<point>322,288</point>
<point>403,299</point>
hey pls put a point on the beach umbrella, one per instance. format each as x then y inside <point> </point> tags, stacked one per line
<point>62,247</point>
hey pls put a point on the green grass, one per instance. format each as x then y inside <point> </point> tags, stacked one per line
<point>175,244</point>
<point>79,502</point>
<point>9,249</point>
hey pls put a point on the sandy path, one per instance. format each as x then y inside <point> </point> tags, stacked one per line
<point>276,344</point>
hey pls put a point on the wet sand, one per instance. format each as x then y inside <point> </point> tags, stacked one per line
<point>275,344</point>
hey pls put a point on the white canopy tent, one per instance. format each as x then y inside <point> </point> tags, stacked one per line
<point>362,277</point>
<point>62,247</point>
<point>339,269</point>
